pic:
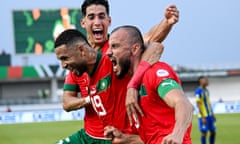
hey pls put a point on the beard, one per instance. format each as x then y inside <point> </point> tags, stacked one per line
<point>80,70</point>
<point>124,64</point>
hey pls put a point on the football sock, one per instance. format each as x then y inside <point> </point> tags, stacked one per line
<point>203,139</point>
<point>212,139</point>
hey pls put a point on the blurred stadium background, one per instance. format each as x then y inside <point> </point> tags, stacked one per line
<point>30,95</point>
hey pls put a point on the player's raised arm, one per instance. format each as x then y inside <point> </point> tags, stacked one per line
<point>159,32</point>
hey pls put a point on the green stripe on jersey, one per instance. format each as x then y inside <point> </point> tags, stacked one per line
<point>166,86</point>
<point>71,87</point>
<point>142,91</point>
<point>99,56</point>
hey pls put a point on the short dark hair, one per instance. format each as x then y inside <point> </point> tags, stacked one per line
<point>201,77</point>
<point>134,33</point>
<point>69,37</point>
<point>87,3</point>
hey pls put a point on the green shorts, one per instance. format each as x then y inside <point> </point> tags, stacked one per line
<point>81,137</point>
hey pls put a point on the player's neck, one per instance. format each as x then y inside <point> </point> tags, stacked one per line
<point>203,87</point>
<point>135,63</point>
<point>91,61</point>
<point>96,46</point>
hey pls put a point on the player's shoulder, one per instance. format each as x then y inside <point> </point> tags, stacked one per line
<point>70,75</point>
<point>198,90</point>
<point>105,47</point>
<point>162,65</point>
<point>161,68</point>
<point>160,71</point>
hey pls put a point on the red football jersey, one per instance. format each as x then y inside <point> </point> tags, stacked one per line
<point>159,118</point>
<point>78,84</point>
<point>119,91</point>
<point>110,105</point>
<point>105,47</point>
<point>99,114</point>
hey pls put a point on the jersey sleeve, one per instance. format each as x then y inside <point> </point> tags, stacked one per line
<point>77,83</point>
<point>70,84</point>
<point>163,79</point>
<point>198,94</point>
<point>166,86</point>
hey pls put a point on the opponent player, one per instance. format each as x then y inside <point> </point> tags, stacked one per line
<point>167,111</point>
<point>206,118</point>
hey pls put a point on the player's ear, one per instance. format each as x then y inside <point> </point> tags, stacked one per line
<point>135,49</point>
<point>82,22</point>
<point>109,20</point>
<point>80,49</point>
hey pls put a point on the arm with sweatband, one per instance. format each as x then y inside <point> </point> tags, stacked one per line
<point>138,74</point>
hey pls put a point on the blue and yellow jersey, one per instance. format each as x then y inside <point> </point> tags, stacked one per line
<point>202,96</point>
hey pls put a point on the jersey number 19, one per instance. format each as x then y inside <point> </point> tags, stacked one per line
<point>98,105</point>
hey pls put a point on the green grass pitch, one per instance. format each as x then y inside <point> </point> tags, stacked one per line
<point>228,126</point>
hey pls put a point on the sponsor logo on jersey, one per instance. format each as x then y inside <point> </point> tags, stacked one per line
<point>162,73</point>
<point>167,83</point>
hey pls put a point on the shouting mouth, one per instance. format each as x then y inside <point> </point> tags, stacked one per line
<point>98,34</point>
<point>114,63</point>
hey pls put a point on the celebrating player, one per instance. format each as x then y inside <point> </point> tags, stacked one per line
<point>96,20</point>
<point>167,111</point>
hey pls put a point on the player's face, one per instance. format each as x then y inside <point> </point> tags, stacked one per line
<point>96,23</point>
<point>71,59</point>
<point>120,53</point>
<point>204,82</point>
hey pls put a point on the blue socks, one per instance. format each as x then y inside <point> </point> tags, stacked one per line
<point>203,139</point>
<point>212,139</point>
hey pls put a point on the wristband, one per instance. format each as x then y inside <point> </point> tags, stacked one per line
<point>138,74</point>
<point>87,99</point>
